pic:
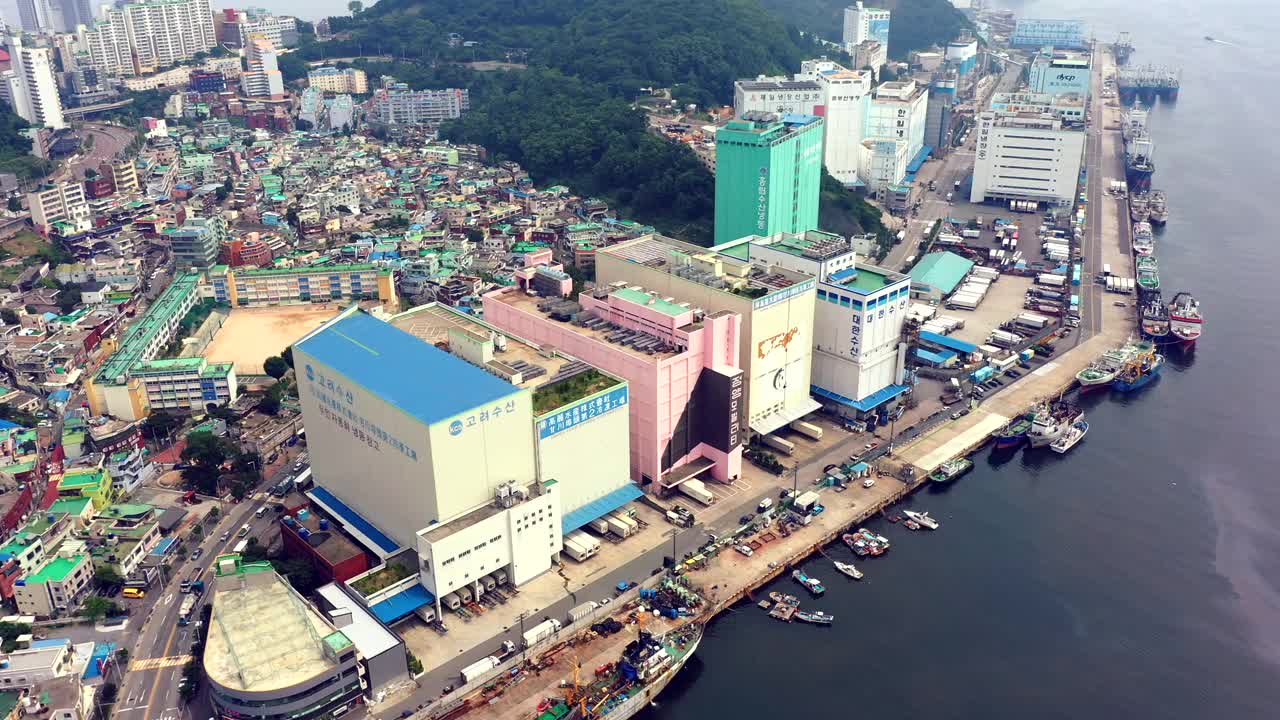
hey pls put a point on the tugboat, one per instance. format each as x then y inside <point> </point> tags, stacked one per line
<point>1015,433</point>
<point>1185,322</point>
<point>948,471</point>
<point>1073,435</point>
<point>1051,422</point>
<point>813,585</point>
<point>1155,316</point>
<point>923,519</point>
<point>1159,208</point>
<point>849,570</point>
<point>1140,370</point>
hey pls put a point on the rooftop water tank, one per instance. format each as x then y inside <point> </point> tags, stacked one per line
<point>303,514</point>
<point>324,524</point>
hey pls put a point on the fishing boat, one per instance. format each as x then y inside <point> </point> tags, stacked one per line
<point>923,519</point>
<point>1185,322</point>
<point>849,570</point>
<point>1155,316</point>
<point>1071,437</point>
<point>815,617</point>
<point>911,525</point>
<point>1148,273</point>
<point>812,584</point>
<point>1015,433</point>
<point>1144,242</point>
<point>950,470</point>
<point>780,599</point>
<point>623,688</point>
<point>1139,150</point>
<point>1159,208</point>
<point>1139,211</point>
<point>1102,371</point>
<point>1139,371</point>
<point>1050,423</point>
<point>864,543</point>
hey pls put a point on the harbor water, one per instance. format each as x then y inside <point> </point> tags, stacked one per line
<point>1137,576</point>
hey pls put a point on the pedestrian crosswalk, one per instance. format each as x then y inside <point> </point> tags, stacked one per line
<point>159,662</point>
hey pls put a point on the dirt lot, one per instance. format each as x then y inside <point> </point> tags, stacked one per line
<point>251,335</point>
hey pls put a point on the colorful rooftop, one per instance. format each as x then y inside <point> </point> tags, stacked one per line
<point>56,570</point>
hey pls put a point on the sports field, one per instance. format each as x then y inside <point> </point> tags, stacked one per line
<point>251,335</point>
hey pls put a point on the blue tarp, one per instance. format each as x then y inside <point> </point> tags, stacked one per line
<point>600,507</point>
<point>948,342</point>
<point>937,358</point>
<point>918,161</point>
<point>351,519</point>
<point>101,651</point>
<point>866,404</point>
<point>163,546</point>
<point>5,425</point>
<point>402,603</point>
<point>60,396</point>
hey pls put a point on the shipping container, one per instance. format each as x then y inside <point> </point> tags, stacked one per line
<point>1032,320</point>
<point>540,632</point>
<point>478,669</point>
<point>1051,280</point>
<point>964,302</point>
<point>696,490</point>
<point>582,611</point>
<point>807,429</point>
<point>783,446</point>
<point>971,234</point>
<point>600,525</point>
<point>1003,339</point>
<point>625,517</point>
<point>1002,364</point>
<point>619,528</point>
<point>948,239</point>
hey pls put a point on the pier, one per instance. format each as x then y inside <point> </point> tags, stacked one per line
<point>729,577</point>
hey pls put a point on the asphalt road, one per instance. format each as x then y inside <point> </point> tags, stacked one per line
<point>158,649</point>
<point>108,141</point>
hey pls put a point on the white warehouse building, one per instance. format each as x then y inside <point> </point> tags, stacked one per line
<point>1026,156</point>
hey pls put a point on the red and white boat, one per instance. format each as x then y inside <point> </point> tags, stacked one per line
<point>1185,322</point>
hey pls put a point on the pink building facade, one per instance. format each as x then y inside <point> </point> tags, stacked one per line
<point>686,389</point>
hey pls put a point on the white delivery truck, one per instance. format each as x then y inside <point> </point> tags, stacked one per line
<point>783,446</point>
<point>600,525</point>
<point>575,550</point>
<point>477,669</point>
<point>1032,320</point>
<point>582,611</point>
<point>1051,280</point>
<point>618,527</point>
<point>1003,339</point>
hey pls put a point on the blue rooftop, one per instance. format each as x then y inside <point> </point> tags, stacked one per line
<point>948,342</point>
<point>403,603</point>
<point>936,358</point>
<point>163,546</point>
<point>414,376</point>
<point>353,522</point>
<point>918,161</point>
<point>866,404</point>
<point>600,507</point>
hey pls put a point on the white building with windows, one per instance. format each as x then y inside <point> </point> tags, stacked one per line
<point>398,105</point>
<point>262,79</point>
<point>1026,156</point>
<point>59,201</point>
<point>863,23</point>
<point>141,37</point>
<point>29,86</point>
<point>781,95</point>
<point>845,97</point>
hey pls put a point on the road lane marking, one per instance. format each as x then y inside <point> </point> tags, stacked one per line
<point>156,663</point>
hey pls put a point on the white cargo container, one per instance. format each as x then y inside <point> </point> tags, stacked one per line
<point>619,528</point>
<point>625,518</point>
<point>696,490</point>
<point>1051,280</point>
<point>582,611</point>
<point>477,669</point>
<point>964,302</point>
<point>986,272</point>
<point>971,234</point>
<point>955,322</point>
<point>540,632</point>
<point>934,326</point>
<point>585,541</point>
<point>1032,320</point>
<point>575,550</point>
<point>978,280</point>
<point>783,446</point>
<point>1002,364</point>
<point>809,430</point>
<point>600,525</point>
<point>948,239</point>
<point>972,289</point>
<point>1003,339</point>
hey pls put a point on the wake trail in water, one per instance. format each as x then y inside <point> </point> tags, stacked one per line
<point>1244,535</point>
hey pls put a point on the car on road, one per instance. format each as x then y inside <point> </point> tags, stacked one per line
<point>225,536</point>
<point>869,483</point>
<point>871,446</point>
<point>605,601</point>
<point>195,554</point>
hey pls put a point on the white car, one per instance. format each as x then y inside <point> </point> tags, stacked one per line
<point>605,601</point>
<point>868,483</point>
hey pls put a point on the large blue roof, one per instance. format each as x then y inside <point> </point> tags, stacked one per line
<point>402,604</point>
<point>948,342</point>
<point>354,522</point>
<point>416,377</point>
<point>599,507</point>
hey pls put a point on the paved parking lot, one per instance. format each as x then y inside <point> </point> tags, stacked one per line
<point>1002,303</point>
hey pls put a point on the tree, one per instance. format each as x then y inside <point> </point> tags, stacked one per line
<point>204,455</point>
<point>160,424</point>
<point>214,512</point>
<point>291,217</point>
<point>276,366</point>
<point>269,404</point>
<point>254,550</point>
<point>197,531</point>
<point>15,203</point>
<point>9,633</point>
<point>69,297</point>
<point>10,317</point>
<point>122,657</point>
<point>415,665</point>
<point>107,575</point>
<point>300,574</point>
<point>287,355</point>
<point>96,607</point>
<point>225,414</point>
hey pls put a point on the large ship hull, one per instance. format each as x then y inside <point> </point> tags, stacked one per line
<point>1138,177</point>
<point>634,704</point>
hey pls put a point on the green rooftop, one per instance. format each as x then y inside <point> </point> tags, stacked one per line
<point>8,701</point>
<point>331,269</point>
<point>140,335</point>
<point>56,570</point>
<point>636,296</point>
<point>570,390</point>
<point>126,510</point>
<point>70,506</point>
<point>240,567</point>
<point>864,281</point>
<point>337,641</point>
<point>81,479</point>
<point>41,522</point>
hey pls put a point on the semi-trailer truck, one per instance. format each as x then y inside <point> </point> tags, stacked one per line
<point>696,490</point>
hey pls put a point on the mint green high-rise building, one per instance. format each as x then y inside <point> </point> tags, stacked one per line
<point>768,175</point>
